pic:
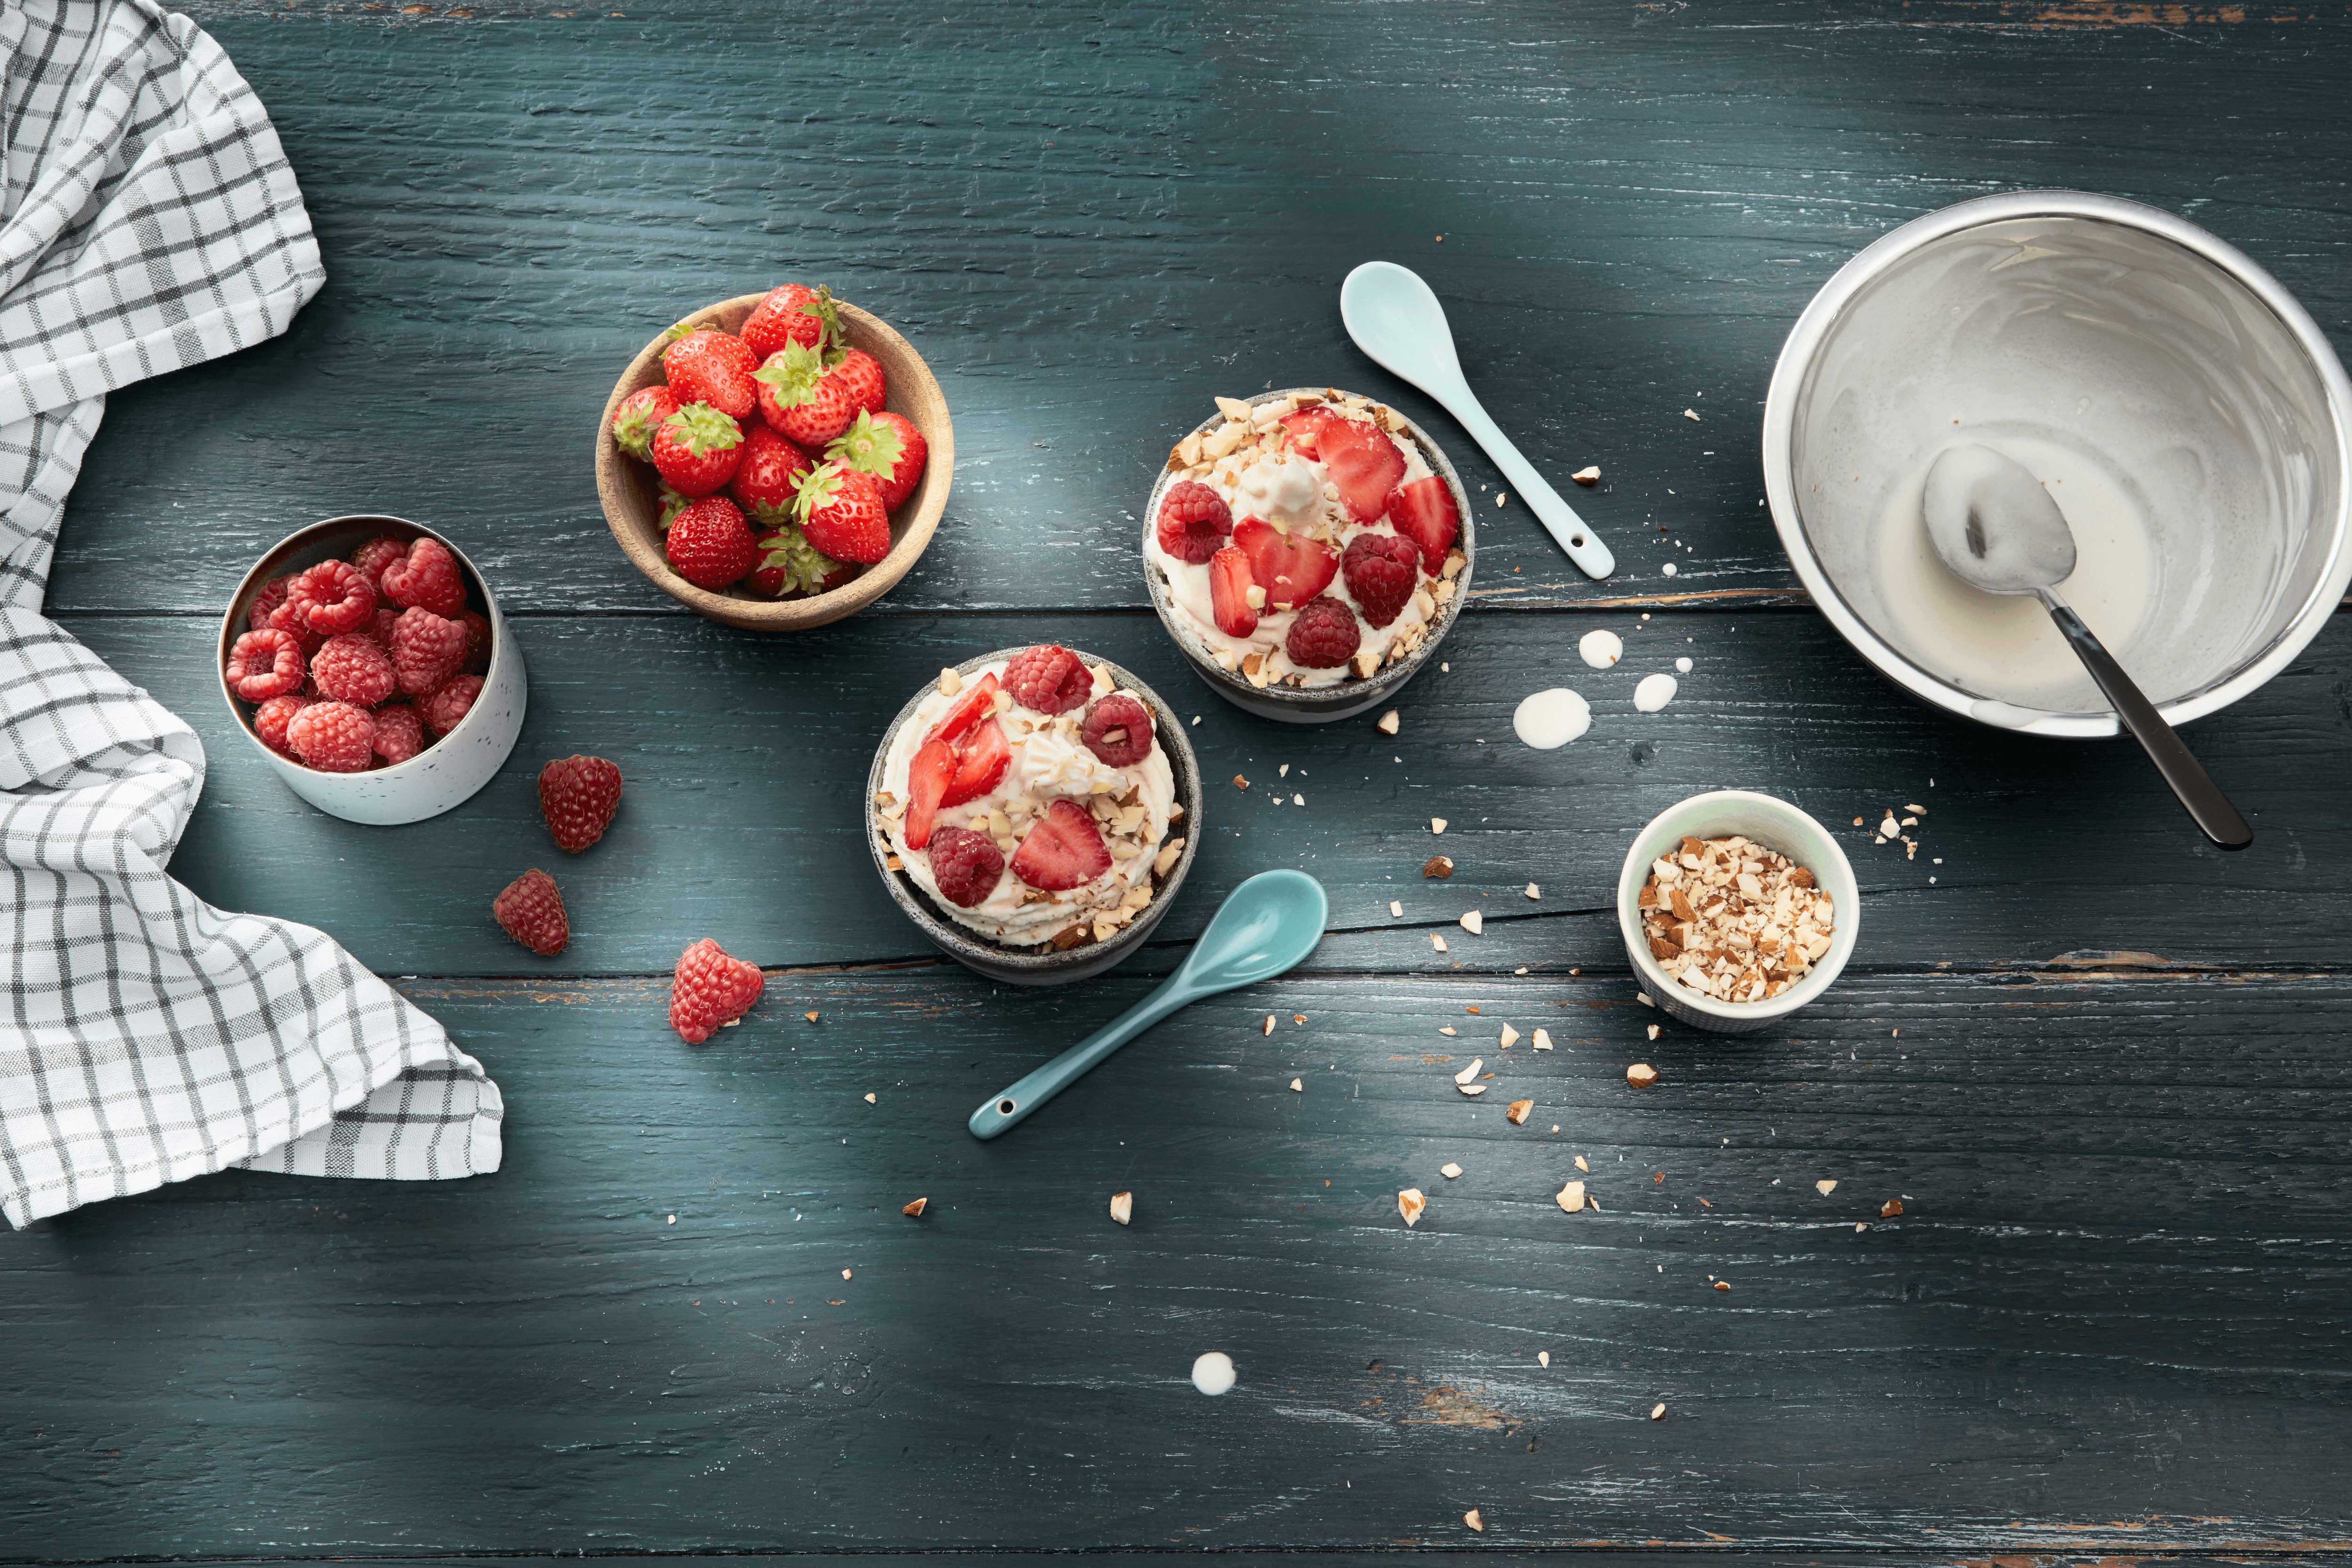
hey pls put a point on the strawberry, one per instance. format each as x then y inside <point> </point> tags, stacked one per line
<point>427,576</point>
<point>698,450</point>
<point>1229,587</point>
<point>981,763</point>
<point>803,403</point>
<point>710,989</point>
<point>841,511</point>
<point>714,367</point>
<point>1063,849</point>
<point>709,545</point>
<point>579,795</point>
<point>1194,521</point>
<point>792,313</point>
<point>1290,567</point>
<point>928,777</point>
<point>1381,571</point>
<point>1424,511</point>
<point>975,700</point>
<point>762,485</point>
<point>1304,424</point>
<point>789,563</point>
<point>530,911</point>
<point>887,446</point>
<point>634,423</point>
<point>859,375</point>
<point>1363,462</point>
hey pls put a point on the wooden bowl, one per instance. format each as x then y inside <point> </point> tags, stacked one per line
<point>631,491</point>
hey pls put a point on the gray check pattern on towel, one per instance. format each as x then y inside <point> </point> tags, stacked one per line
<point>150,221</point>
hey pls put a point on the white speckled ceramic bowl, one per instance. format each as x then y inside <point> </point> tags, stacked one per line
<point>446,772</point>
<point>1779,827</point>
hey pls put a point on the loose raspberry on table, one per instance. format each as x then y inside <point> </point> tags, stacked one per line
<point>1117,729</point>
<point>1048,678</point>
<point>370,560</point>
<point>1381,571</point>
<point>333,737</point>
<point>265,664</point>
<point>710,989</point>
<point>1194,521</point>
<point>579,795</point>
<point>351,668</point>
<point>426,650</point>
<point>442,707</point>
<point>965,864</point>
<point>427,576</point>
<point>332,598</point>
<point>530,911</point>
<point>1324,635</point>
<point>399,732</point>
<point>269,720</point>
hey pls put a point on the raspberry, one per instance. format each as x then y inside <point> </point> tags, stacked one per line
<point>427,576</point>
<point>530,911</point>
<point>331,598</point>
<point>270,719</point>
<point>426,650</point>
<point>709,990</point>
<point>399,732</point>
<point>1118,731</point>
<point>1381,571</point>
<point>1047,679</point>
<point>965,864</point>
<point>370,560</point>
<point>443,707</point>
<point>271,595</point>
<point>333,737</point>
<point>1193,522</point>
<point>380,633</point>
<point>290,619</point>
<point>578,795</point>
<point>265,664</point>
<point>478,643</point>
<point>1324,635</point>
<point>351,668</point>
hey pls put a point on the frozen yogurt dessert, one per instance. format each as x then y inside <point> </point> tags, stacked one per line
<point>1305,540</point>
<point>1032,801</point>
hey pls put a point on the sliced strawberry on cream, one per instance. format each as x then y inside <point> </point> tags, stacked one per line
<point>1304,427</point>
<point>1363,463</point>
<point>1229,585</point>
<point>1425,513</point>
<point>1063,850</point>
<point>981,761</point>
<point>977,698</point>
<point>928,779</point>
<point>1290,567</point>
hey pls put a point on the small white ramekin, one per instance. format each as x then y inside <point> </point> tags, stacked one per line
<point>445,774</point>
<point>1779,827</point>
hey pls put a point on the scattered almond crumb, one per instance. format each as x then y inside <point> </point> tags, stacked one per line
<point>1723,1284</point>
<point>1690,413</point>
<point>1858,1225</point>
<point>1890,1208</point>
<point>1641,1075</point>
<point>1473,1089</point>
<point>914,1210</point>
<point>1240,783</point>
<point>1473,922</point>
<point>1467,1074</point>
<point>1298,1085</point>
<point>1473,1520</point>
<point>1510,1036</point>
<point>1825,1188</point>
<point>1916,810</point>
<point>1389,722</point>
<point>1449,1170</point>
<point>1543,1358</point>
<point>810,1016</point>
<point>1438,866</point>
<point>1571,1197</point>
<point>1582,1167</point>
<point>845,1274</point>
<point>1534,891</point>
<point>1653,1031</point>
<point>1543,1039</point>
<point>869,1099</point>
<point>1437,942</point>
<point>1517,1111</point>
<point>1437,825</point>
<point>1410,1203</point>
<point>1658,1411</point>
<point>1122,1207</point>
<point>1446,1028</point>
<point>1298,1018</point>
<point>1641,996</point>
<point>1269,1025</point>
<point>1396,907</point>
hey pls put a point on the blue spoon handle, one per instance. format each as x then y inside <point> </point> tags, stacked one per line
<point>1001,1111</point>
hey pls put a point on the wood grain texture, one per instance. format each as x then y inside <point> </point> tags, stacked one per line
<point>1089,223</point>
<point>2109,1320</point>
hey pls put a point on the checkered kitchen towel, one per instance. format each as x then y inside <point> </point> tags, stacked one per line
<point>150,221</point>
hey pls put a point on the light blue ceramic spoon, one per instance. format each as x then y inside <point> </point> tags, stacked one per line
<point>1267,924</point>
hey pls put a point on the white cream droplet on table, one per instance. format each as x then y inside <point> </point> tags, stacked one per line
<point>1684,664</point>
<point>1655,692</point>
<point>1553,718</point>
<point>1600,649</point>
<point>1212,1373</point>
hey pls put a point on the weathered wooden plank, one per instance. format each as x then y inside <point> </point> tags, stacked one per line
<point>2107,1322</point>
<point>740,751</point>
<point>1090,228</point>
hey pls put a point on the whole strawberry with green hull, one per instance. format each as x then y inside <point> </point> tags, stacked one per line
<point>762,485</point>
<point>635,422</point>
<point>708,366</point>
<point>709,545</point>
<point>887,446</point>
<point>859,376</point>
<point>841,511</point>
<point>792,313</point>
<point>800,401</point>
<point>789,563</point>
<point>698,450</point>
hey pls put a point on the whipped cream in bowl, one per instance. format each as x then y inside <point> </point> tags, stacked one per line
<point>1268,520</point>
<point>1033,845</point>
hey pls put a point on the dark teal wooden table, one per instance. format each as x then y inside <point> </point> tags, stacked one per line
<point>2103,1069</point>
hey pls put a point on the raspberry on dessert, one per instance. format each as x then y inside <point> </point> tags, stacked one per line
<point>710,989</point>
<point>272,594</point>
<point>478,643</point>
<point>579,795</point>
<point>530,911</point>
<point>709,544</point>
<point>1290,567</point>
<point>269,720</point>
<point>427,576</point>
<point>1362,462</point>
<point>351,668</point>
<point>1194,521</point>
<point>763,482</point>
<point>265,664</point>
<point>1063,849</point>
<point>981,759</point>
<point>965,864</point>
<point>1324,635</point>
<point>639,416</point>
<point>1424,511</point>
<point>1381,571</point>
<point>332,598</point>
<point>444,707</point>
<point>1117,729</point>
<point>710,367</point>
<point>1229,587</point>
<point>370,559</point>
<point>399,732</point>
<point>426,650</point>
<point>1048,678</point>
<point>698,450</point>
<point>929,778</point>
<point>333,737</point>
